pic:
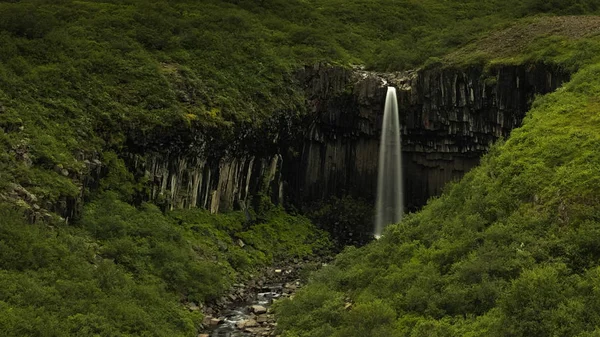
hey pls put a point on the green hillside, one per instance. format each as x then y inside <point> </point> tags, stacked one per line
<point>85,82</point>
<point>510,250</point>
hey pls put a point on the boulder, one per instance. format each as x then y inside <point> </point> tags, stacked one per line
<point>193,307</point>
<point>249,323</point>
<point>258,309</point>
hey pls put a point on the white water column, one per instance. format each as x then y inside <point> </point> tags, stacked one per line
<point>390,203</point>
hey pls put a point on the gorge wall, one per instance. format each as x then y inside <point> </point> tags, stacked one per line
<point>449,118</point>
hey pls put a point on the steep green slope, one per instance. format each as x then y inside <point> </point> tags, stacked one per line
<point>126,271</point>
<point>510,250</point>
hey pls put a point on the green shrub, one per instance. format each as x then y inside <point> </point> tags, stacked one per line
<point>349,220</point>
<point>55,282</point>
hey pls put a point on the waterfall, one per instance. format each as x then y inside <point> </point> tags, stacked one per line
<point>390,203</point>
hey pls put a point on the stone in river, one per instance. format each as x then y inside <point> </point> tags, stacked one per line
<point>249,323</point>
<point>262,318</point>
<point>258,309</point>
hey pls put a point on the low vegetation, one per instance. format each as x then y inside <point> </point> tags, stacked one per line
<point>127,271</point>
<point>569,42</point>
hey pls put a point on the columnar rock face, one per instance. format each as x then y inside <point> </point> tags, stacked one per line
<point>222,184</point>
<point>449,119</point>
<point>216,168</point>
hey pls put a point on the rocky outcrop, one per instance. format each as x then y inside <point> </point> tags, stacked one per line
<point>219,184</point>
<point>218,168</point>
<point>449,119</point>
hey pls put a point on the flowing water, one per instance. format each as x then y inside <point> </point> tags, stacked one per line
<point>240,312</point>
<point>390,203</point>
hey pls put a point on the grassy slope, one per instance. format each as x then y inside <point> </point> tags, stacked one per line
<point>510,250</point>
<point>567,41</point>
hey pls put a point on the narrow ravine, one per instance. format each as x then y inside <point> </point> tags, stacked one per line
<point>249,314</point>
<point>254,318</point>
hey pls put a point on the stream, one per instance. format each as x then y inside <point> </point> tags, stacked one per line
<point>253,318</point>
<point>248,319</point>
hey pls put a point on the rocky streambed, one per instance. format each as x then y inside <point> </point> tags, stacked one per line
<point>246,311</point>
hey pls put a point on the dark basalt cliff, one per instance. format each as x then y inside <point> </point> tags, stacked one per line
<point>191,168</point>
<point>449,118</point>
